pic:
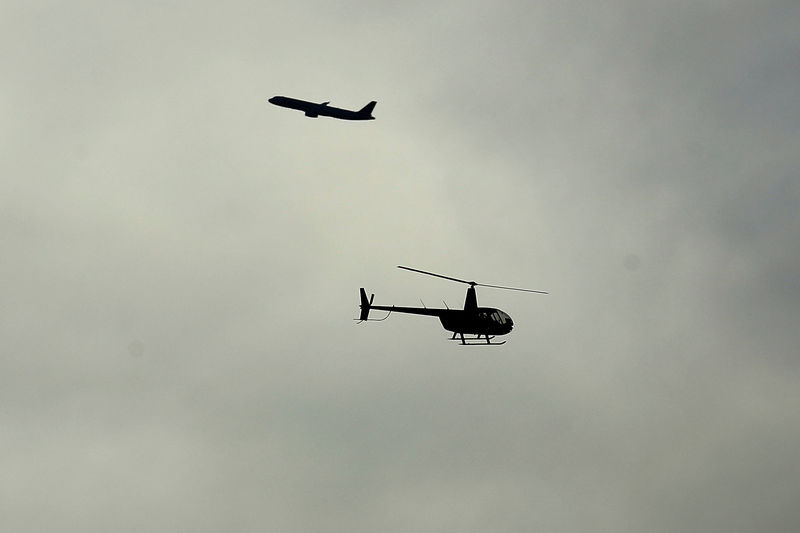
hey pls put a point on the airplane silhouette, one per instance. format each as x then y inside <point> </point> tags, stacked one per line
<point>314,110</point>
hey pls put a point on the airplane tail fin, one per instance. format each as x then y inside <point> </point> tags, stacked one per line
<point>365,305</point>
<point>366,111</point>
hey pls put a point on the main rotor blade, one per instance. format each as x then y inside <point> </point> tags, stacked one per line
<point>510,288</point>
<point>473,283</point>
<point>436,275</point>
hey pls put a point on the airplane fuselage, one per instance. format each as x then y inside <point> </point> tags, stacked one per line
<point>314,110</point>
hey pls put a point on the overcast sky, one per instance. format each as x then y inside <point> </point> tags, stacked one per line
<point>181,263</point>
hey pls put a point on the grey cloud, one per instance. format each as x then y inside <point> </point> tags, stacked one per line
<point>181,265</point>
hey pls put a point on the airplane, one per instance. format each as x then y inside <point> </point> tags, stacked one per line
<point>314,110</point>
<point>486,322</point>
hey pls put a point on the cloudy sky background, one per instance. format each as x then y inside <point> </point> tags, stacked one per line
<point>181,263</point>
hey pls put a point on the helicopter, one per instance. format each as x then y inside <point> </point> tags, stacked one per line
<point>482,323</point>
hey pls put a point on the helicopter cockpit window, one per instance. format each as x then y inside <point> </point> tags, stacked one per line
<point>497,317</point>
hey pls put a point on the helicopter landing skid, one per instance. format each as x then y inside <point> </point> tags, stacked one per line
<point>479,340</point>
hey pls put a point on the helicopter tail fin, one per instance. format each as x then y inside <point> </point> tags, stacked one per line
<point>365,305</point>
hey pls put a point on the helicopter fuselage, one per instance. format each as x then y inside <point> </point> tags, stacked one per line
<point>483,321</point>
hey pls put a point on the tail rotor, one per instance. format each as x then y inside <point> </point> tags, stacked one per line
<point>365,305</point>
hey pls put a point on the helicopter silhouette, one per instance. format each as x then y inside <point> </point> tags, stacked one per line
<point>482,322</point>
